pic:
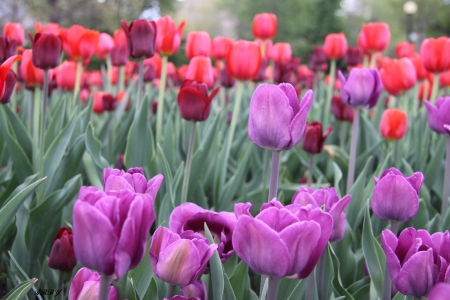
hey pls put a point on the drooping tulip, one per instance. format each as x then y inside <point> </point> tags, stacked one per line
<point>398,75</point>
<point>374,37</point>
<point>7,79</point>
<point>47,49</point>
<point>168,37</point>
<point>66,75</point>
<point>62,256</point>
<point>264,26</point>
<point>80,43</point>
<point>220,46</point>
<point>396,197</point>
<point>314,137</point>
<point>15,32</point>
<point>141,38</point>
<point>200,69</point>
<point>434,54</point>
<point>394,123</point>
<point>243,60</point>
<point>335,45</point>
<point>328,198</point>
<point>405,49</point>
<point>179,259</point>
<point>281,230</point>
<point>104,46</point>
<point>194,102</point>
<point>86,286</point>
<point>198,43</point>
<point>362,88</point>
<point>439,115</point>
<point>277,121</point>
<point>340,110</point>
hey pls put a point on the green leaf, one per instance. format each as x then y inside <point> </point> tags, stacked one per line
<point>168,178</point>
<point>299,290</point>
<point>56,124</point>
<point>374,255</point>
<point>94,147</point>
<point>400,296</point>
<point>337,285</point>
<point>142,274</point>
<point>228,293</point>
<point>125,288</point>
<point>152,291</point>
<point>431,172</point>
<point>216,269</point>
<point>10,208</point>
<point>20,291</point>
<point>240,281</point>
<point>20,131</point>
<point>337,177</point>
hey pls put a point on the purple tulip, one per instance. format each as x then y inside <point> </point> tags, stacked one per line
<point>395,197</point>
<point>333,205</point>
<point>196,290</point>
<point>439,115</point>
<point>86,286</point>
<point>133,180</point>
<point>190,216</point>
<point>362,87</point>
<point>414,260</point>
<point>179,259</point>
<point>110,230</point>
<point>277,121</point>
<point>440,291</point>
<point>281,241</point>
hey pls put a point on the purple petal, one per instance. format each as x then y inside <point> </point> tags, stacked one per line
<point>416,181</point>
<point>110,171</point>
<point>78,281</point>
<point>378,86</point>
<point>304,198</point>
<point>297,128</point>
<point>230,217</point>
<point>338,208</point>
<point>439,292</point>
<point>291,94</point>
<point>161,239</point>
<point>205,251</point>
<point>405,241</point>
<point>272,203</point>
<point>389,243</point>
<point>117,183</point>
<point>153,185</point>
<point>241,209</point>
<point>139,182</point>
<point>277,219</point>
<point>181,214</point>
<point>339,229</point>
<point>344,94</point>
<point>433,118</point>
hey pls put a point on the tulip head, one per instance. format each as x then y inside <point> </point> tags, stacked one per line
<point>168,37</point>
<point>340,110</point>
<point>281,52</point>
<point>220,46</point>
<point>405,49</point>
<point>119,55</point>
<point>353,56</point>
<point>86,286</point>
<point>243,61</point>
<point>277,121</point>
<point>264,26</point>
<point>421,73</point>
<point>104,46</point>
<point>198,43</point>
<point>195,290</point>
<point>439,115</point>
<point>15,32</point>
<point>225,79</point>
<point>317,59</point>
<point>434,54</point>
<point>194,102</point>
<point>398,75</point>
<point>66,75</point>
<point>440,291</point>
<point>8,48</point>
<point>396,197</point>
<point>141,37</point>
<point>362,88</point>
<point>374,37</point>
<point>80,43</point>
<point>8,83</point>
<point>335,46</point>
<point>314,138</point>
<point>394,123</point>
<point>62,257</point>
<point>200,69</point>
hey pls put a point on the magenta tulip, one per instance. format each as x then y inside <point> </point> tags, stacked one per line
<point>196,290</point>
<point>86,286</point>
<point>362,88</point>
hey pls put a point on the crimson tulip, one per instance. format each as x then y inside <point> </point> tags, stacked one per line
<point>168,37</point>
<point>281,52</point>
<point>398,75</point>
<point>52,28</point>
<point>243,60</point>
<point>374,37</point>
<point>220,46</point>
<point>8,48</point>
<point>394,123</point>
<point>353,56</point>
<point>119,55</point>
<point>66,75</point>
<point>264,26</point>
<point>434,54</point>
<point>62,257</point>
<point>194,102</point>
<point>198,43</point>
<point>340,110</point>
<point>80,43</point>
<point>405,49</point>
<point>15,32</point>
<point>335,46</point>
<point>47,49</point>
<point>104,46</point>
<point>317,59</point>
<point>141,37</point>
<point>425,85</point>
<point>119,37</point>
<point>314,137</point>
<point>7,79</point>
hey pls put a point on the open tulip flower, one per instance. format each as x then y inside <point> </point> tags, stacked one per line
<point>362,88</point>
<point>179,259</point>
<point>277,121</point>
<point>168,36</point>
<point>80,43</point>
<point>194,102</point>
<point>281,241</point>
<point>439,115</point>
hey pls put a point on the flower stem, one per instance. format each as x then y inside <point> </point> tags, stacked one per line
<point>365,61</point>
<point>272,290</point>
<point>387,278</point>
<point>139,89</point>
<point>170,289</point>
<point>61,285</point>
<point>187,171</point>
<point>76,90</point>
<point>434,91</point>
<point>373,60</point>
<point>446,179</point>
<point>326,112</point>
<point>310,287</point>
<point>342,134</point>
<point>162,88</point>
<point>310,169</point>
<point>320,274</point>
<point>274,172</point>
<point>121,78</point>
<point>14,93</point>
<point>353,145</point>
<point>42,132</point>
<point>104,288</point>
<point>109,70</point>
<point>36,124</point>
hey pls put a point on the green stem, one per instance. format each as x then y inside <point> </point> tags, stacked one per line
<point>187,171</point>
<point>274,173</point>
<point>342,134</point>
<point>310,287</point>
<point>104,288</point>
<point>446,179</point>
<point>365,61</point>
<point>162,88</point>
<point>387,278</point>
<point>76,90</point>
<point>36,123</point>
<point>266,171</point>
<point>326,112</point>
<point>121,78</point>
<point>353,146</point>
<point>434,91</point>
<point>42,132</point>
<point>373,60</point>
<point>170,289</point>
<point>109,69</point>
<point>139,89</point>
<point>61,285</point>
<point>310,170</point>
<point>272,290</point>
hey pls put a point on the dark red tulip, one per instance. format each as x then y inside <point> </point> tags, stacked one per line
<point>201,70</point>
<point>149,71</point>
<point>141,37</point>
<point>335,46</point>
<point>103,101</point>
<point>8,48</point>
<point>243,60</point>
<point>317,59</point>
<point>62,257</point>
<point>264,26</point>
<point>198,43</point>
<point>119,55</point>
<point>353,57</point>
<point>9,83</point>
<point>220,46</point>
<point>154,107</point>
<point>314,138</point>
<point>120,162</point>
<point>109,102</point>
<point>225,79</point>
<point>194,102</point>
<point>284,71</point>
<point>47,49</point>
<point>340,110</point>
<point>261,75</point>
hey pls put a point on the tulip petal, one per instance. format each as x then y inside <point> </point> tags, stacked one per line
<point>377,88</point>
<point>405,241</point>
<point>389,243</point>
<point>161,239</point>
<point>242,209</point>
<point>304,198</point>
<point>277,219</point>
<point>261,248</point>
<point>338,208</point>
<point>139,182</point>
<point>433,117</point>
<point>181,214</point>
<point>289,90</point>
<point>153,185</point>
<point>117,183</point>
<point>416,181</point>
<point>297,127</point>
<point>439,292</point>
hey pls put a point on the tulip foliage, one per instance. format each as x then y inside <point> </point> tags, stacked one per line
<point>105,194</point>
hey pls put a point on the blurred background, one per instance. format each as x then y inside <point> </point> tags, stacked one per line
<point>302,23</point>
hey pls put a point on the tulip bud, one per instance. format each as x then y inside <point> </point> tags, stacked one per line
<point>405,49</point>
<point>434,54</point>
<point>439,115</point>
<point>243,60</point>
<point>141,36</point>
<point>168,37</point>
<point>8,48</point>
<point>353,56</point>
<point>109,102</point>
<point>317,58</point>
<point>9,83</point>
<point>225,79</point>
<point>340,110</point>
<point>62,257</point>
<point>120,162</point>
<point>398,75</point>
<point>120,37</point>
<point>394,123</point>
<point>198,43</point>
<point>196,289</point>
<point>313,139</point>
<point>66,75</point>
<point>264,26</point>
<point>362,88</point>
<point>220,46</point>
<point>15,32</point>
<point>104,46</point>
<point>47,49</point>
<point>421,73</point>
<point>149,71</point>
<point>374,37</point>
<point>194,102</point>
<point>200,69</point>
<point>281,52</point>
<point>335,46</point>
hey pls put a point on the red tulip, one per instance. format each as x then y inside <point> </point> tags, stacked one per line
<point>340,110</point>
<point>120,37</point>
<point>156,60</point>
<point>62,257</point>
<point>47,49</point>
<point>425,85</point>
<point>66,75</point>
<point>7,79</point>
<point>120,97</point>
<point>421,73</point>
<point>394,123</point>
<point>304,72</point>
<point>103,101</point>
<point>198,43</point>
<point>264,26</point>
<point>181,72</point>
<point>281,52</point>
<point>168,37</point>
<point>194,102</point>
<point>15,32</point>
<point>52,28</point>
<point>335,46</point>
<point>434,54</point>
<point>220,46</point>
<point>84,95</point>
<point>444,79</point>
<point>314,138</point>
<point>200,70</point>
<point>141,37</point>
<point>104,46</point>
<point>405,49</point>
<point>398,75</point>
<point>149,71</point>
<point>80,43</point>
<point>243,60</point>
<point>374,37</point>
<point>30,74</point>
<point>95,78</point>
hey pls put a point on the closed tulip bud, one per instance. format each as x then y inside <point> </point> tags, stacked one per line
<point>109,102</point>
<point>30,74</point>
<point>405,49</point>
<point>8,86</point>
<point>196,290</point>
<point>179,259</point>
<point>335,46</point>
<point>340,110</point>
<point>439,115</point>
<point>225,79</point>
<point>198,43</point>
<point>141,37</point>
<point>434,54</point>
<point>281,52</point>
<point>194,102</point>
<point>86,286</point>
<point>421,73</point>
<point>15,32</point>
<point>362,88</point>
<point>440,291</point>
<point>47,49</point>
<point>119,55</point>
<point>277,121</point>
<point>220,46</point>
<point>120,38</point>
<point>353,56</point>
<point>243,60</point>
<point>8,48</point>
<point>264,26</point>
<point>80,43</point>
<point>168,37</point>
<point>394,123</point>
<point>317,58</point>
<point>398,75</point>
<point>396,197</point>
<point>62,257</point>
<point>314,138</point>
<point>104,46</point>
<point>66,75</point>
<point>200,69</point>
<point>374,37</point>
